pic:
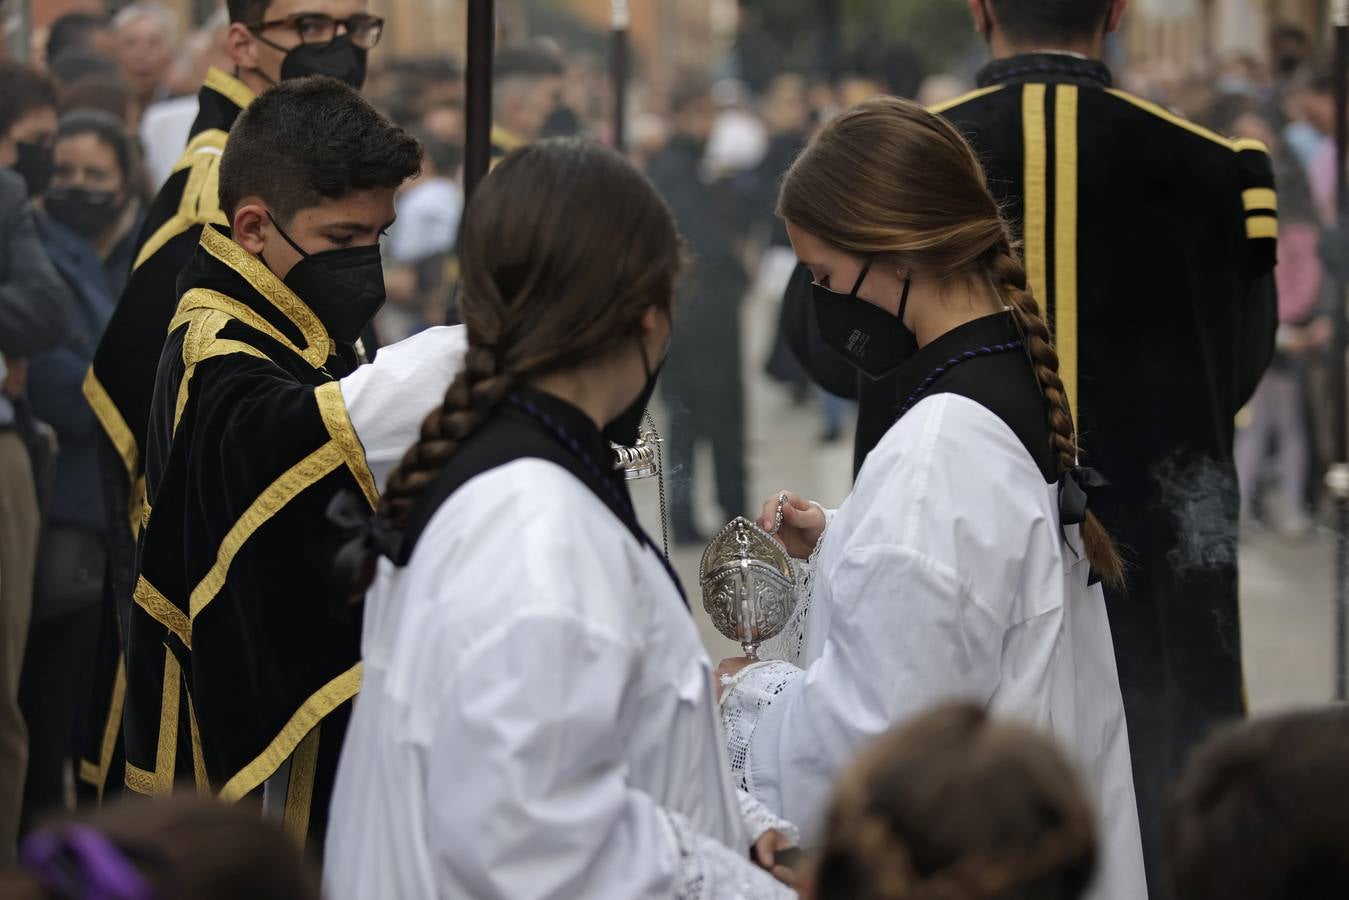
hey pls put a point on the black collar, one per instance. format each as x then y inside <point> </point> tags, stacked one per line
<point>998,328</point>
<point>1051,68</point>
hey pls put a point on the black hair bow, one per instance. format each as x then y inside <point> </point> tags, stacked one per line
<point>1081,489</point>
<point>364,536</point>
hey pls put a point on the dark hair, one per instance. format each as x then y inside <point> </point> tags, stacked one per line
<point>1260,812</point>
<point>548,285</point>
<point>186,848</point>
<point>110,95</point>
<point>73,31</point>
<point>74,65</point>
<point>249,12</point>
<point>1050,20</point>
<point>109,130</point>
<point>26,89</point>
<point>888,177</point>
<point>527,61</point>
<point>311,139</point>
<point>957,805</point>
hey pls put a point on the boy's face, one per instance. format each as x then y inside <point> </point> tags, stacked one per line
<point>248,52</point>
<point>356,220</point>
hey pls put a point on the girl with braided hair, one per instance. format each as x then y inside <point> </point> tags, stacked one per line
<point>957,806</point>
<point>965,562</point>
<point>537,717</point>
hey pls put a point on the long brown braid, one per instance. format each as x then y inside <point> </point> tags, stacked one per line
<point>956,806</point>
<point>565,247</point>
<point>890,180</point>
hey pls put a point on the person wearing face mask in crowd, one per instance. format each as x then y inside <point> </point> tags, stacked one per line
<point>88,228</point>
<point>965,563</point>
<point>239,672</point>
<point>702,385</point>
<point>34,317</point>
<point>268,41</point>
<point>537,721</point>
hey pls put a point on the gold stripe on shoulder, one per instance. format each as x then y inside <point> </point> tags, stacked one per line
<point>203,175</point>
<point>1241,144</point>
<point>1036,179</point>
<point>1260,198</point>
<point>306,719</point>
<point>335,418</point>
<point>210,142</point>
<point>1178,121</point>
<point>293,482</point>
<point>939,108</point>
<point>229,87</point>
<point>1258,227</point>
<point>318,345</point>
<point>113,424</point>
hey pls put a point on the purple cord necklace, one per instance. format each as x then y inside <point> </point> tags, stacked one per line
<point>951,364</point>
<point>619,503</point>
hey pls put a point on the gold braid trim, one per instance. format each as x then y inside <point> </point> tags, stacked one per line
<point>96,773</point>
<point>338,422</point>
<point>300,793</point>
<point>229,87</point>
<point>162,610</point>
<point>160,781</point>
<point>306,719</point>
<point>200,203</point>
<point>111,419</point>
<point>318,344</point>
<point>292,482</point>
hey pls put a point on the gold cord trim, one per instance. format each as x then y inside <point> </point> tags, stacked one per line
<point>113,424</point>
<point>1162,113</point>
<point>306,718</point>
<point>939,108</point>
<point>212,140</point>
<point>229,87</point>
<point>294,481</point>
<point>160,781</point>
<point>1260,198</point>
<point>1243,144</point>
<point>1065,238</point>
<point>338,422</point>
<point>1036,198</point>
<point>198,299</point>
<point>318,345</point>
<point>195,207</point>
<point>159,608</point>
<point>198,755</point>
<point>1258,227</point>
<point>300,794</point>
<point>96,774</point>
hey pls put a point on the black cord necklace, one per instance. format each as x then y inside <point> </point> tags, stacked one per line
<point>952,363</point>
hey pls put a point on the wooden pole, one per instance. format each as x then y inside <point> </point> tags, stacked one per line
<point>478,94</point>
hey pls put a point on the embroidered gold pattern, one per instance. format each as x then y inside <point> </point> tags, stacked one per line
<point>229,87</point>
<point>292,482</point>
<point>163,611</point>
<point>111,419</point>
<point>195,207</point>
<point>300,794</point>
<point>338,423</point>
<point>306,718</point>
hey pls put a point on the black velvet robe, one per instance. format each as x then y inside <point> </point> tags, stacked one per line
<point>120,383</point>
<point>239,669</point>
<point>1150,243</point>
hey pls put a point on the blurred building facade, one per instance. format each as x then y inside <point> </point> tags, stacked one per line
<point>1187,34</point>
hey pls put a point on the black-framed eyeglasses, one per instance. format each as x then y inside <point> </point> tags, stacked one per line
<point>320,28</point>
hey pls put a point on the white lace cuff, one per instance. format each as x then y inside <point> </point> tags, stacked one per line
<point>759,819</point>
<point>709,870</point>
<point>743,702</point>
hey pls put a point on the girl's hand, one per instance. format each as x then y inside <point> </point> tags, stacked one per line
<point>802,523</point>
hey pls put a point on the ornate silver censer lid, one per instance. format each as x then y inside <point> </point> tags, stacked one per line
<point>749,587</point>
<point>643,460</point>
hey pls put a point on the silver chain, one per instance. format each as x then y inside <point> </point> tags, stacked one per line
<point>660,484</point>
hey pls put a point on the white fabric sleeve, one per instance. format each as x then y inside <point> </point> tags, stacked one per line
<point>759,819</point>
<point>535,798</point>
<point>905,634</point>
<point>790,643</point>
<point>388,398</point>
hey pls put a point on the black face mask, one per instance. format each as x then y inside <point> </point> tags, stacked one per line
<point>339,58</point>
<point>35,165</point>
<point>867,336</point>
<point>87,213</point>
<point>344,288</point>
<point>627,428</point>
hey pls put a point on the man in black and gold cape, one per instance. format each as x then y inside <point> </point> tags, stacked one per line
<point>239,669</point>
<point>1150,242</point>
<point>119,384</point>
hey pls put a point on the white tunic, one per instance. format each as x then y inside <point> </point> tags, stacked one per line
<point>537,717</point>
<point>944,575</point>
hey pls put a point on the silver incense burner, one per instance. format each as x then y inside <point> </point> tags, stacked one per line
<point>749,587</point>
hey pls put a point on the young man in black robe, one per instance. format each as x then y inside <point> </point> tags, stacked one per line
<point>1151,241</point>
<point>268,41</point>
<point>239,672</point>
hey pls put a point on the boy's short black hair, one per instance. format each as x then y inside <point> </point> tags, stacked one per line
<point>311,139</point>
<point>1260,813</point>
<point>1050,21</point>
<point>249,12</point>
<point>25,89</point>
